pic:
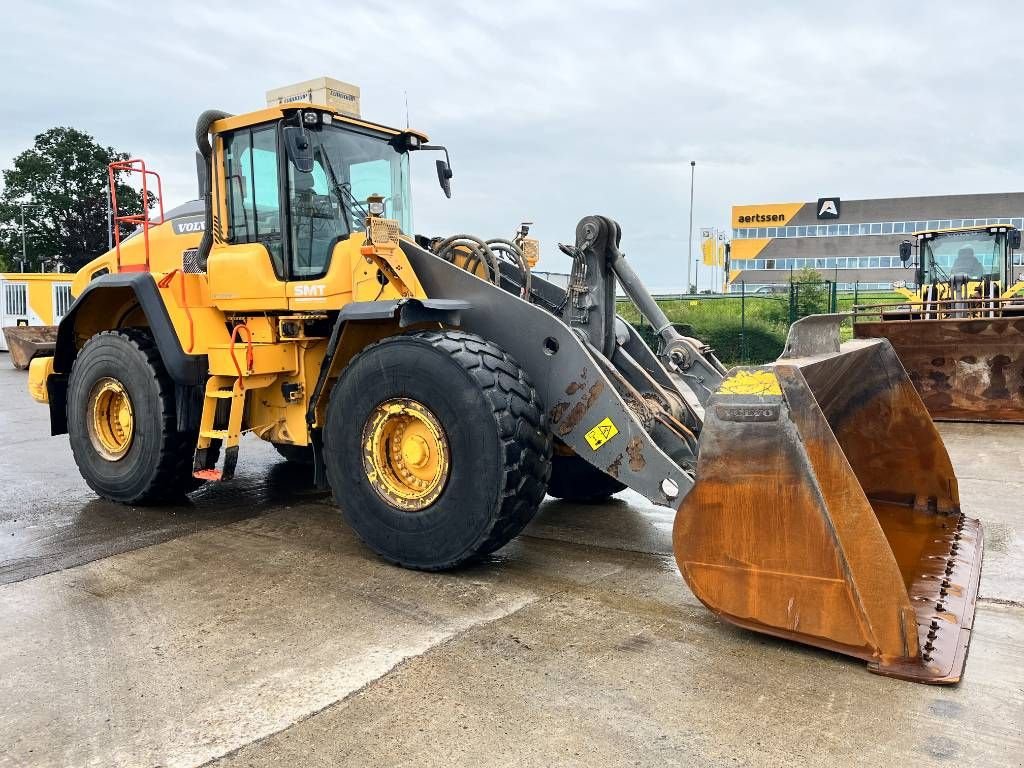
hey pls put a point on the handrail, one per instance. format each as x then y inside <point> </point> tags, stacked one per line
<point>135,165</point>
<point>941,309</point>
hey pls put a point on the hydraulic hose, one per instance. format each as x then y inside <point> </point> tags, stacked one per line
<point>513,253</point>
<point>476,247</point>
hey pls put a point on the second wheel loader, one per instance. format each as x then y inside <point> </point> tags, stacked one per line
<point>961,336</point>
<point>439,388</point>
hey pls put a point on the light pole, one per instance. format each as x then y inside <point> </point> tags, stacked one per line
<point>689,252</point>
<point>24,247</point>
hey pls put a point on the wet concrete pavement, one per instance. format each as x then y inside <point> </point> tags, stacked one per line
<point>251,626</point>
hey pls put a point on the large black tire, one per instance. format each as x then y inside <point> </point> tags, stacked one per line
<point>297,454</point>
<point>157,466</point>
<point>574,479</point>
<point>498,439</point>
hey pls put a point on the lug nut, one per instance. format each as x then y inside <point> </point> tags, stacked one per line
<point>940,606</point>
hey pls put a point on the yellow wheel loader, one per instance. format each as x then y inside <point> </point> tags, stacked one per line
<point>439,388</point>
<point>961,336</point>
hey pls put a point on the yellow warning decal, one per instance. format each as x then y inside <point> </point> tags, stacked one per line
<point>601,434</point>
<point>762,382</point>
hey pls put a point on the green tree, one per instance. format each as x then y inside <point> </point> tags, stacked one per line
<point>59,186</point>
<point>811,292</point>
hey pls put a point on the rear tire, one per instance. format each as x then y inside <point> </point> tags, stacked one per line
<point>295,454</point>
<point>494,444</point>
<point>575,479</point>
<point>150,461</point>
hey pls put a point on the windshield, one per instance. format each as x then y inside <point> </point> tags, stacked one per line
<point>329,203</point>
<point>975,255</point>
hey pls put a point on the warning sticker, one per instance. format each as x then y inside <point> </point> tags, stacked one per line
<point>601,434</point>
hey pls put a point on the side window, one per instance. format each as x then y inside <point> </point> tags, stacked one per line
<point>254,208</point>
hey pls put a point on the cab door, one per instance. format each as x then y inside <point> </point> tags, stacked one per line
<point>247,267</point>
<point>320,265</point>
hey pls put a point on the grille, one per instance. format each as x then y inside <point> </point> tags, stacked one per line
<point>190,262</point>
<point>383,231</point>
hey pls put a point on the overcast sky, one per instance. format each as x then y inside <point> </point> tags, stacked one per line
<point>555,110</point>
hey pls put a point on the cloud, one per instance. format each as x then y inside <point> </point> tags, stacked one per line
<point>556,110</point>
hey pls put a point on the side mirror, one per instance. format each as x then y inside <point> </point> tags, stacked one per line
<point>906,251</point>
<point>298,148</point>
<point>444,177</point>
<point>1014,239</point>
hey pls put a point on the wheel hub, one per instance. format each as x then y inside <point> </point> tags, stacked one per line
<point>405,454</point>
<point>111,420</point>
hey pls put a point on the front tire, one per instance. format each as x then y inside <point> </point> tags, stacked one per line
<point>122,423</point>
<point>436,447</point>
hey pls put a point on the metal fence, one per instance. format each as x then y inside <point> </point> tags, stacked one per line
<point>750,327</point>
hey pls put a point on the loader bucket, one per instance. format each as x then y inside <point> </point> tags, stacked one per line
<point>826,511</point>
<point>25,342</point>
<point>964,369</point>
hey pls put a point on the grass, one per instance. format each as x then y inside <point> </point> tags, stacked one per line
<point>751,330</point>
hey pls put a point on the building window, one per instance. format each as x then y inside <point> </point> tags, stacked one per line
<point>887,228</point>
<point>956,223</point>
<point>771,231</point>
<point>762,232</point>
<point>1017,223</point>
<point>897,227</point>
<point>61,300</point>
<point>833,230</point>
<point>876,229</point>
<point>945,224</point>
<point>790,231</point>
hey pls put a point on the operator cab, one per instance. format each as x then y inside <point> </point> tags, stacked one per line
<point>299,203</point>
<point>981,255</point>
<point>295,183</point>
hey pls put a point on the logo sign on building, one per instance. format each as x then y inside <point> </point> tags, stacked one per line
<point>828,207</point>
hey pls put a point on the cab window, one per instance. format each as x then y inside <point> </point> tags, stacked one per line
<point>251,176</point>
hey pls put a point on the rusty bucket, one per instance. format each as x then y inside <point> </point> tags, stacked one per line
<point>25,342</point>
<point>826,511</point>
<point>964,369</point>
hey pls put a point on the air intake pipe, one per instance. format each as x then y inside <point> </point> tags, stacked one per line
<point>206,119</point>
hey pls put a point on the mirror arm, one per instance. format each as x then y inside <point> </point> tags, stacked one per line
<point>438,148</point>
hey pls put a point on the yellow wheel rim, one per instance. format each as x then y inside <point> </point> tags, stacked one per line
<point>111,419</point>
<point>405,454</point>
